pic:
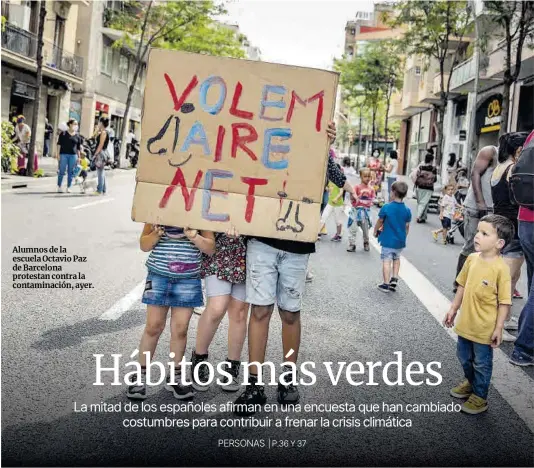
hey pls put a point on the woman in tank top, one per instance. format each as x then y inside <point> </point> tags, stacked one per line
<point>510,146</point>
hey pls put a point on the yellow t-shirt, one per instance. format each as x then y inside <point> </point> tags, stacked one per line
<point>84,164</point>
<point>487,284</point>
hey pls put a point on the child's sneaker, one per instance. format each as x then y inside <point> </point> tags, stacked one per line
<point>234,385</point>
<point>517,294</point>
<point>435,235</point>
<point>462,390</point>
<point>200,384</point>
<point>511,324</point>
<point>508,337</point>
<point>181,392</point>
<point>136,392</point>
<point>351,248</point>
<point>393,284</point>
<point>475,405</point>
<point>288,394</point>
<point>253,395</point>
<point>384,287</point>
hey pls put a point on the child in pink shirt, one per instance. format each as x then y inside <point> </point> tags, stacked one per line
<point>360,211</point>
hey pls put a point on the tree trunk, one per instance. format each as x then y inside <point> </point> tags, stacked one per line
<point>37,105</point>
<point>375,108</point>
<point>505,108</point>
<point>388,103</point>
<point>359,141</point>
<point>439,152</point>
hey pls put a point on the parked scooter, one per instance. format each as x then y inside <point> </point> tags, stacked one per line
<point>133,152</point>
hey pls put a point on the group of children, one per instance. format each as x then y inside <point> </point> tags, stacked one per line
<point>484,292</point>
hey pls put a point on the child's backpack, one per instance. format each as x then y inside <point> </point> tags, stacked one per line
<point>522,178</point>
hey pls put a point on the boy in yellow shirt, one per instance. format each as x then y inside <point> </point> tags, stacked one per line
<point>484,296</point>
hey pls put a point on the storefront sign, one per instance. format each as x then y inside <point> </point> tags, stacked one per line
<point>24,90</point>
<point>101,107</point>
<point>118,111</point>
<point>233,142</point>
<point>488,117</point>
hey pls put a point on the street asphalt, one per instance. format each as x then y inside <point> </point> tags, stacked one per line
<point>49,338</point>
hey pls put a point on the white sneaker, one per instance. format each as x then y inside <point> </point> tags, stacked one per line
<point>511,324</point>
<point>508,337</point>
<point>309,277</point>
<point>59,190</point>
<point>199,310</point>
<point>68,190</point>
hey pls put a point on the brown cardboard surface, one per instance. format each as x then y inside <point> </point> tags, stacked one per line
<point>270,218</point>
<point>192,123</point>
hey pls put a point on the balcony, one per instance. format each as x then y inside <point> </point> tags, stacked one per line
<point>426,89</point>
<point>463,76</point>
<point>24,45</point>
<point>496,60</point>
<point>436,84</point>
<point>395,111</point>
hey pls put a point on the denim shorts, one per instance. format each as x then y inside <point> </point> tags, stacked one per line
<point>172,292</point>
<point>390,254</point>
<point>513,250</point>
<point>275,276</point>
<point>219,287</point>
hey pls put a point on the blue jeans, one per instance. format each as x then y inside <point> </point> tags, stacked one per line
<point>524,344</point>
<point>46,149</point>
<point>67,162</point>
<point>525,232</point>
<point>477,361</point>
<point>101,175</point>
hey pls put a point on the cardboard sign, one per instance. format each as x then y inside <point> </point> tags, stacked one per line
<point>233,142</point>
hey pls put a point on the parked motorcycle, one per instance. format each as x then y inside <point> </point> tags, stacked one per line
<point>133,152</point>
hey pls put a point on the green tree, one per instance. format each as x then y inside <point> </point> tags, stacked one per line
<point>374,75</point>
<point>177,25</point>
<point>435,29</point>
<point>516,19</point>
<point>10,151</point>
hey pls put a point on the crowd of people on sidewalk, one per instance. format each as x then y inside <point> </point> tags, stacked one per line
<point>239,271</point>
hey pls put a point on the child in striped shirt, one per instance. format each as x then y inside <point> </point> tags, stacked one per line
<point>173,282</point>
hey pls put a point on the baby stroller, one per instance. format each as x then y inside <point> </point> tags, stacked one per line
<point>457,225</point>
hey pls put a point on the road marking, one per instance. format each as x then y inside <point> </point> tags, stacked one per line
<point>124,304</point>
<point>97,202</point>
<point>511,382</point>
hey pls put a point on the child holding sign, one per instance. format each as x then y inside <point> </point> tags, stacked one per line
<point>173,282</point>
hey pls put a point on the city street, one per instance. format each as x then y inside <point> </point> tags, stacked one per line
<point>49,337</point>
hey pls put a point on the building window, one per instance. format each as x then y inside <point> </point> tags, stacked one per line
<point>59,32</point>
<point>107,60</point>
<point>124,65</point>
<point>417,71</point>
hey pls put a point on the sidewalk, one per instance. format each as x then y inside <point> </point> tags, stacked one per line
<point>49,166</point>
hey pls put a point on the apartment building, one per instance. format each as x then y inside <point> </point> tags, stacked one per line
<point>108,72</point>
<point>367,27</point>
<point>63,67</point>
<point>414,105</point>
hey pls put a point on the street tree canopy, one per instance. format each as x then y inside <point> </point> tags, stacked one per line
<point>435,29</point>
